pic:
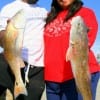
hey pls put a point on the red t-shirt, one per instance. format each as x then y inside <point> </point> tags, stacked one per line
<point>56,42</point>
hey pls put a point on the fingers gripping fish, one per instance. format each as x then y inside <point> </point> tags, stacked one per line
<point>77,53</point>
<point>12,44</point>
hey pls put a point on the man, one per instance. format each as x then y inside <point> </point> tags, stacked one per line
<point>32,50</point>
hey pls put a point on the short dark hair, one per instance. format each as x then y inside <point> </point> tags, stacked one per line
<point>32,1</point>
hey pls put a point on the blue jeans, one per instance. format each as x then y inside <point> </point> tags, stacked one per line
<point>94,80</point>
<point>61,91</point>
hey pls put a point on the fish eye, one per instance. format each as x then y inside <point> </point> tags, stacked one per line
<point>79,24</point>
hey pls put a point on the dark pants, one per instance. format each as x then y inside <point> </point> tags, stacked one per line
<point>61,91</point>
<point>36,82</point>
<point>67,90</point>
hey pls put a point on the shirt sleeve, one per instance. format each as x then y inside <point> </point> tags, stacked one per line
<point>91,21</point>
<point>3,18</point>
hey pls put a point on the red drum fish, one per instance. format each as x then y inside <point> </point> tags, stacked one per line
<point>77,54</point>
<point>12,43</point>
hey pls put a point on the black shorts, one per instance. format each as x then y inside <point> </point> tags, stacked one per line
<point>36,80</point>
<point>6,76</point>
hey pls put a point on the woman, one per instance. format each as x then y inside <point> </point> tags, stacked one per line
<point>60,84</point>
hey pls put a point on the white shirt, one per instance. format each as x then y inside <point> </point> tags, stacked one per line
<point>33,46</point>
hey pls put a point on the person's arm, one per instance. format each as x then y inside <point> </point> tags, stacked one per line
<point>4,16</point>
<point>2,32</point>
<point>91,21</point>
<point>3,24</point>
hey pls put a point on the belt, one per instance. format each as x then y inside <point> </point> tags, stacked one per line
<point>26,64</point>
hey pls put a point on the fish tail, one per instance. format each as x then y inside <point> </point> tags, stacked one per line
<point>19,89</point>
<point>84,87</point>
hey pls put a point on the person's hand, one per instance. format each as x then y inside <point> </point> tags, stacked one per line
<point>8,21</point>
<point>3,31</point>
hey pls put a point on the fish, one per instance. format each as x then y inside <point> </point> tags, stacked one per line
<point>77,54</point>
<point>8,95</point>
<point>12,42</point>
<point>98,90</point>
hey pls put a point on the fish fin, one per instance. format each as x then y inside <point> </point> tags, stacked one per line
<point>9,95</point>
<point>19,89</point>
<point>69,54</point>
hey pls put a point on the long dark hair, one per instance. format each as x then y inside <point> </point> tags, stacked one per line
<point>55,9</point>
